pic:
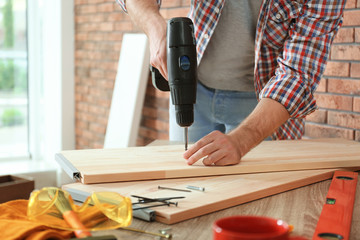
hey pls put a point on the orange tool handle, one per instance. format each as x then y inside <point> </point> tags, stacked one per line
<point>73,220</point>
<point>336,215</point>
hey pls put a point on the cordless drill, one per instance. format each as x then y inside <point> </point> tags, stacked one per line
<point>181,65</point>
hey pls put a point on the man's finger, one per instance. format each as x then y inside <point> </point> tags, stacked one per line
<point>214,157</point>
<point>202,152</point>
<point>198,145</point>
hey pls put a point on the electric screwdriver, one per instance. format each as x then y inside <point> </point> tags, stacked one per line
<point>181,65</point>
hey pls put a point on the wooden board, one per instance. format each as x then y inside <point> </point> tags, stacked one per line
<point>162,162</point>
<point>129,92</point>
<point>220,191</point>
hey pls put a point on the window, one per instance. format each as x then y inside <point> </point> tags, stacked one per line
<point>41,60</point>
<point>13,79</point>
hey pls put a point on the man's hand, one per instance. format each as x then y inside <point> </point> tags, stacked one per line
<point>217,148</point>
<point>228,149</point>
<point>157,43</point>
<point>145,14</point>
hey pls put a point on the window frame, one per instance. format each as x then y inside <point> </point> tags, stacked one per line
<point>50,27</point>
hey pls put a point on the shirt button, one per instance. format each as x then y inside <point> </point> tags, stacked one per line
<point>206,35</point>
<point>278,16</point>
<point>216,10</point>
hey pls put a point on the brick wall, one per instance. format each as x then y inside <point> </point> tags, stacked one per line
<point>99,28</point>
<point>338,95</point>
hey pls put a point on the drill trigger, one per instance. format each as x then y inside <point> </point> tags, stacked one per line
<point>158,80</point>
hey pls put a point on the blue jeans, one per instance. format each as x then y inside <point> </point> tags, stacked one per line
<point>214,110</point>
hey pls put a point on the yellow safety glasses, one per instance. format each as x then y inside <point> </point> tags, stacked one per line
<point>102,210</point>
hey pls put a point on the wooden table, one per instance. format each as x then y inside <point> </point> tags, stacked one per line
<point>299,207</point>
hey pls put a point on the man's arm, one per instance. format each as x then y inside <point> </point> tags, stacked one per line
<point>227,149</point>
<point>146,15</point>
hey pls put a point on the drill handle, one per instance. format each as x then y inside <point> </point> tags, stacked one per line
<point>158,80</point>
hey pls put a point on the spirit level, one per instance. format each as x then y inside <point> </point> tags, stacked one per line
<point>335,218</point>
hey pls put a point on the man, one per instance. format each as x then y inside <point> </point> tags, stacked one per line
<point>292,44</point>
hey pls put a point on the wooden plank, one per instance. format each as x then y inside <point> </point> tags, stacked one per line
<point>220,191</point>
<point>129,92</point>
<point>162,162</point>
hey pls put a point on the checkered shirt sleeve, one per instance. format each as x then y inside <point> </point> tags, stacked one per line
<point>291,55</point>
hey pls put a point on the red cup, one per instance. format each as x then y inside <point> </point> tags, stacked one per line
<point>251,228</point>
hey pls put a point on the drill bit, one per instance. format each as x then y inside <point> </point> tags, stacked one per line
<point>186,138</point>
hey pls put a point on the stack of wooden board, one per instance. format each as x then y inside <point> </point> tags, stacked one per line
<point>270,164</point>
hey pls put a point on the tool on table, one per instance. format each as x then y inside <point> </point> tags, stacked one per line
<point>335,218</point>
<point>68,214</point>
<point>55,208</point>
<point>149,200</point>
<point>173,189</point>
<point>148,215</point>
<point>164,201</point>
<point>161,235</point>
<point>252,227</point>
<point>105,237</point>
<point>181,65</point>
<point>202,189</point>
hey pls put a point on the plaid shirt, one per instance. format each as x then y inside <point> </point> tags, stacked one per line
<point>293,40</point>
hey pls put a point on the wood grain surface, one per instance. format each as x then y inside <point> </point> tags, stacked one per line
<point>162,162</point>
<point>220,191</point>
<point>300,207</point>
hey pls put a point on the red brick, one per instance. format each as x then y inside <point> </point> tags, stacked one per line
<point>344,119</point>
<point>186,3</point>
<point>81,36</point>
<point>356,105</point>
<point>322,87</point>
<point>345,35</point>
<point>345,86</point>
<point>345,52</point>
<point>97,128</point>
<point>95,1</point>
<point>340,69</point>
<point>97,73</point>
<point>155,113</point>
<point>82,18</point>
<point>153,134</point>
<point>355,70</point>
<point>116,17</point>
<point>325,131</point>
<point>350,4</point>
<point>319,116</point>
<point>106,7</point>
<point>80,2</point>
<point>86,9</point>
<point>106,26</point>
<point>97,18</point>
<point>357,35</point>
<point>352,18</point>
<point>124,26</point>
<point>156,124</point>
<point>334,101</point>
<point>357,136</point>
<point>113,36</point>
<point>87,27</point>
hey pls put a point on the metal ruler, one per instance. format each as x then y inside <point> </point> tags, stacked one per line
<point>336,215</point>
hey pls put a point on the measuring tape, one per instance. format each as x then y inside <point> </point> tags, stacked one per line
<point>335,218</point>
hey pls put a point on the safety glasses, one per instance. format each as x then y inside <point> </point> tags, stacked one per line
<point>55,208</point>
